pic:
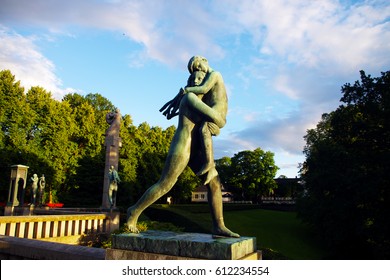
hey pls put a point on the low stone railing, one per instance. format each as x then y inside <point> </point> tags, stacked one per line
<point>13,248</point>
<point>57,226</point>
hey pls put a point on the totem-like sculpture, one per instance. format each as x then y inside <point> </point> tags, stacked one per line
<point>112,142</point>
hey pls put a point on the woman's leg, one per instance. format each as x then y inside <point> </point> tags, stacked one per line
<point>199,106</point>
<point>207,142</point>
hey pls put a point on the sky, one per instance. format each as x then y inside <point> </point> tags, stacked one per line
<point>283,61</point>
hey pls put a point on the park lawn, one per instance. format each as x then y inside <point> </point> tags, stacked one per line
<point>275,231</point>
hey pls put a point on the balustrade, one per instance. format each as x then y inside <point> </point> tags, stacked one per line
<point>47,226</point>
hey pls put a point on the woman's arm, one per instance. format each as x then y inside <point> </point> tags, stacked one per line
<point>207,84</point>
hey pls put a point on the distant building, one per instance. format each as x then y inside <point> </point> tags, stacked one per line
<point>286,192</point>
<point>200,195</point>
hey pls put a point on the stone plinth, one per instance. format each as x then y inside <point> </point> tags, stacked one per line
<point>172,245</point>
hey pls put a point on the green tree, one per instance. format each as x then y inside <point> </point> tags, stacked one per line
<point>88,113</point>
<point>64,140</point>
<point>346,172</point>
<point>251,174</point>
<point>128,162</point>
<point>144,155</point>
<point>223,165</point>
<point>54,128</point>
<point>12,136</point>
<point>182,191</point>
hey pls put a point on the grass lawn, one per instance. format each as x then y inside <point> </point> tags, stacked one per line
<point>279,231</point>
<point>275,231</point>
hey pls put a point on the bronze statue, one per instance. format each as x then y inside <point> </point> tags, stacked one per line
<point>34,188</point>
<point>42,183</point>
<point>113,188</point>
<point>200,108</point>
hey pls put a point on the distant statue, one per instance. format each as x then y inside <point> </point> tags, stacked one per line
<point>201,107</point>
<point>113,188</point>
<point>34,188</point>
<point>42,183</point>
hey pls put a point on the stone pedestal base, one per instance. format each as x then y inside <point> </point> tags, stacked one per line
<point>18,210</point>
<point>165,245</point>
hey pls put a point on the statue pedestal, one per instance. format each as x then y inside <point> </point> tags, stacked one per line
<point>166,245</point>
<point>18,210</point>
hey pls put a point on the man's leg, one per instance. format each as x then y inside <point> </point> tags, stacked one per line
<point>214,196</point>
<point>177,160</point>
<point>207,142</point>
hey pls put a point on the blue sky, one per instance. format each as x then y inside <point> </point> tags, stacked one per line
<point>283,62</point>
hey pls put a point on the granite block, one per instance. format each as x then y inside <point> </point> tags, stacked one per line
<point>184,244</point>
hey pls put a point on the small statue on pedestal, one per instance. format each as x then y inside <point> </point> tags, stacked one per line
<point>42,183</point>
<point>34,188</point>
<point>113,188</point>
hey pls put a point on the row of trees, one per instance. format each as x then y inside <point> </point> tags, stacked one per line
<point>347,172</point>
<point>64,140</point>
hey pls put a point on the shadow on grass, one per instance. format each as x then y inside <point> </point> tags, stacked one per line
<point>279,234</point>
<point>163,214</point>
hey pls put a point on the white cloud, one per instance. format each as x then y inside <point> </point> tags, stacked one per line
<point>22,57</point>
<point>317,34</point>
<point>170,31</point>
<point>305,50</point>
<point>282,84</point>
<point>283,137</point>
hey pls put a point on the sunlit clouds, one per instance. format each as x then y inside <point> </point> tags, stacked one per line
<point>283,62</point>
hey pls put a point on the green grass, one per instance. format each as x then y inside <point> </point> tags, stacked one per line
<point>279,231</point>
<point>279,234</point>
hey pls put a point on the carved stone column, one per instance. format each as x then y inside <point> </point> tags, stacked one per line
<point>112,143</point>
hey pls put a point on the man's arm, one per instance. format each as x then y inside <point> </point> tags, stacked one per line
<point>210,81</point>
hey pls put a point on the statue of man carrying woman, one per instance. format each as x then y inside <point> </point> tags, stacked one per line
<point>202,107</point>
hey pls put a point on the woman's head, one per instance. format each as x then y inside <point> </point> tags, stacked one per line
<point>196,78</point>
<point>198,63</point>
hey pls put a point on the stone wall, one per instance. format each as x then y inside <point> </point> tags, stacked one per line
<point>13,248</point>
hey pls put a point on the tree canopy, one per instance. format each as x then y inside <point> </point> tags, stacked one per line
<point>347,172</point>
<point>249,174</point>
<point>64,140</point>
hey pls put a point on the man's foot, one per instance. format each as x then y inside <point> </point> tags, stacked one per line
<point>224,233</point>
<point>131,221</point>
